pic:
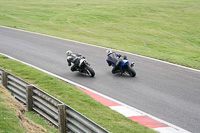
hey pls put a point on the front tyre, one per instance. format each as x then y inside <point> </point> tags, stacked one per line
<point>131,72</point>
<point>89,71</point>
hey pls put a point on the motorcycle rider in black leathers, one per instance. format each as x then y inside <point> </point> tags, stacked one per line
<point>73,58</point>
<point>114,60</point>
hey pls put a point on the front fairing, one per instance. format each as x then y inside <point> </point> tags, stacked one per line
<point>124,63</point>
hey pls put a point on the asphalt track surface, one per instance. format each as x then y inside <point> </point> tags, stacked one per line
<point>166,91</point>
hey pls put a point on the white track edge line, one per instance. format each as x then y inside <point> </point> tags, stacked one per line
<point>76,84</point>
<point>189,68</point>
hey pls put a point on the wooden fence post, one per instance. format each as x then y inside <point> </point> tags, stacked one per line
<point>29,97</point>
<point>4,78</point>
<point>62,118</point>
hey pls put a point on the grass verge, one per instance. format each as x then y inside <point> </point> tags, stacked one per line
<point>77,99</point>
<point>9,122</point>
<point>165,29</point>
<point>13,118</point>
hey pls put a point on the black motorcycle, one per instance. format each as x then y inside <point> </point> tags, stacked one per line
<point>84,67</point>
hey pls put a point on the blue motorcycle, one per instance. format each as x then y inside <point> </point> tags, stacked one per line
<point>120,64</point>
<point>124,66</point>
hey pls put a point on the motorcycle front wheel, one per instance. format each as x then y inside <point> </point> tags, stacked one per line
<point>89,71</point>
<point>131,72</point>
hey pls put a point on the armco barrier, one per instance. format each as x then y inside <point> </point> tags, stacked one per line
<point>0,75</point>
<point>61,115</point>
<point>17,87</point>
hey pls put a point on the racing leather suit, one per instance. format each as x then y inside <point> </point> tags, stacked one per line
<point>75,59</point>
<point>114,60</point>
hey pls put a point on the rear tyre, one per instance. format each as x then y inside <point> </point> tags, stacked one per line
<point>131,72</point>
<point>89,71</point>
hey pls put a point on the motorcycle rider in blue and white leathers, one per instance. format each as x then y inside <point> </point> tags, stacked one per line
<point>114,60</point>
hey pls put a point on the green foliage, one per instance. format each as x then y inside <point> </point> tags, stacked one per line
<point>74,97</point>
<point>164,29</point>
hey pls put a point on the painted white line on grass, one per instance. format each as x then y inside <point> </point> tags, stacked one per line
<point>128,108</point>
<point>105,48</point>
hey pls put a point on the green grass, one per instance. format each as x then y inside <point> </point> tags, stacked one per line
<point>9,122</point>
<point>41,121</point>
<point>164,29</point>
<point>74,97</point>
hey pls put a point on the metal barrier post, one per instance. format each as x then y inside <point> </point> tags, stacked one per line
<point>29,97</point>
<point>4,78</point>
<point>62,118</point>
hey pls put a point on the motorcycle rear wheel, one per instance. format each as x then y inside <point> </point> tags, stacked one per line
<point>89,71</point>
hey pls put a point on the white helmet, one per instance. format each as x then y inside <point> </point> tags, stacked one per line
<point>69,52</point>
<point>109,51</point>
